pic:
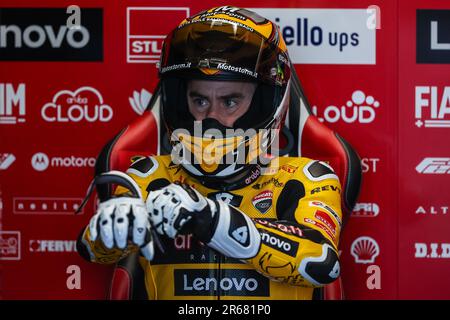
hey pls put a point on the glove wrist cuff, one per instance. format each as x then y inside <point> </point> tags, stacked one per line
<point>234,234</point>
<point>206,221</point>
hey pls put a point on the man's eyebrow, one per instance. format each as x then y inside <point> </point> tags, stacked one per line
<point>195,94</point>
<point>232,95</point>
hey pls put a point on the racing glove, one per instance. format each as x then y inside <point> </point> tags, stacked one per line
<point>122,221</point>
<point>180,209</point>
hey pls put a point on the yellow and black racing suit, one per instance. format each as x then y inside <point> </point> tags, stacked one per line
<point>295,206</point>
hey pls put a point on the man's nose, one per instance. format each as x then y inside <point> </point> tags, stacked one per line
<point>213,111</point>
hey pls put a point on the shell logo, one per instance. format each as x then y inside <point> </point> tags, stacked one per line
<point>365,250</point>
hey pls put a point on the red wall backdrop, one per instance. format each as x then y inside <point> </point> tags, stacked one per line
<point>383,84</point>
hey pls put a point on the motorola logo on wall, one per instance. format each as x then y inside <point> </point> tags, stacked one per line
<point>433,38</point>
<point>41,162</point>
<point>42,34</point>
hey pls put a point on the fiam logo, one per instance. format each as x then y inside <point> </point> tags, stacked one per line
<point>147,28</point>
<point>6,159</point>
<point>52,246</point>
<point>361,108</point>
<point>434,166</point>
<point>40,162</point>
<point>84,104</point>
<point>44,34</point>
<point>140,100</point>
<point>432,106</point>
<point>12,103</point>
<point>9,245</point>
<point>365,250</point>
<point>326,36</point>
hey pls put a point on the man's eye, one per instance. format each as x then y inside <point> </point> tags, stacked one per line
<point>201,102</point>
<point>230,103</point>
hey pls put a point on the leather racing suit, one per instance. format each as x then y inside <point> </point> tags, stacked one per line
<point>295,206</point>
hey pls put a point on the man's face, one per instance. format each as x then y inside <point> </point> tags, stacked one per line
<point>225,101</point>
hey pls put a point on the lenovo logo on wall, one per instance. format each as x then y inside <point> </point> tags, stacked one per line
<point>433,38</point>
<point>432,250</point>
<point>85,104</point>
<point>360,108</point>
<point>147,28</point>
<point>52,246</point>
<point>46,205</point>
<point>10,245</point>
<point>12,103</point>
<point>434,166</point>
<point>43,34</point>
<point>326,36</point>
<point>432,107</point>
